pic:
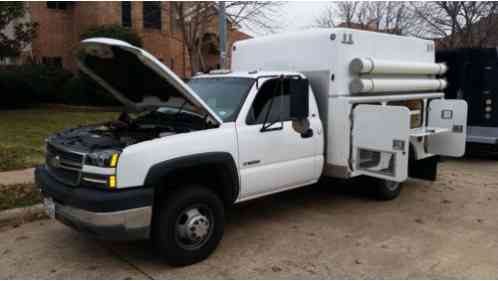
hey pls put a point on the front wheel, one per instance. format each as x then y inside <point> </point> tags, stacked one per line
<point>386,189</point>
<point>189,225</point>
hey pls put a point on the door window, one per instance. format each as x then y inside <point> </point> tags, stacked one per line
<point>272,100</point>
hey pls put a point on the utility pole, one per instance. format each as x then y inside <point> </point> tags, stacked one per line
<point>222,33</point>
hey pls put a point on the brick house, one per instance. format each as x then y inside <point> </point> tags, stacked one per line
<point>61,23</point>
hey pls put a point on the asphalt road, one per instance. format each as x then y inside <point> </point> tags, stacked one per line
<point>445,229</point>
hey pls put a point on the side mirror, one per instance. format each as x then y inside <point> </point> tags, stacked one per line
<point>299,98</point>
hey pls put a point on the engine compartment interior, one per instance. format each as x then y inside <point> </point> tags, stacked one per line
<point>128,130</point>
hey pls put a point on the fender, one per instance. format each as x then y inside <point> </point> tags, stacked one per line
<point>230,174</point>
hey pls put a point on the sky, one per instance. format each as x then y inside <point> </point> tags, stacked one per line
<point>297,15</point>
<point>301,14</point>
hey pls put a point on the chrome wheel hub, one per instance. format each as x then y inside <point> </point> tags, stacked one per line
<point>193,228</point>
<point>197,227</point>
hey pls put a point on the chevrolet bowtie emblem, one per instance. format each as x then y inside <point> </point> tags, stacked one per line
<point>55,161</point>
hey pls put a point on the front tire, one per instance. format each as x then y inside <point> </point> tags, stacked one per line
<point>386,189</point>
<point>189,225</point>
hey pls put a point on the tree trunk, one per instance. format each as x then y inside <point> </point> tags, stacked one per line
<point>194,62</point>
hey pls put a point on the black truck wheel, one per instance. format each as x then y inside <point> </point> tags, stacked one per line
<point>189,225</point>
<point>386,189</point>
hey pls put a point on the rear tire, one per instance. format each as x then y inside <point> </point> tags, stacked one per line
<point>189,225</point>
<point>386,189</point>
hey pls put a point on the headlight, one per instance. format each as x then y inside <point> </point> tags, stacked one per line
<point>106,158</point>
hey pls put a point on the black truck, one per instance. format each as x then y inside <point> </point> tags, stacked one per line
<point>473,76</point>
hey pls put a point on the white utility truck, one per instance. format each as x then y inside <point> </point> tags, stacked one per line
<point>295,108</point>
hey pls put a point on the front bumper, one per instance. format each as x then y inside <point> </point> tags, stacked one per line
<point>104,214</point>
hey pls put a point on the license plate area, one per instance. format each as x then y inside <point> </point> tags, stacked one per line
<point>49,204</point>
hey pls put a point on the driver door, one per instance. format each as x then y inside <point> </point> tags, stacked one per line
<point>272,155</point>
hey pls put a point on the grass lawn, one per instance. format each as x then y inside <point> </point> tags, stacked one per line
<point>23,132</point>
<point>18,195</point>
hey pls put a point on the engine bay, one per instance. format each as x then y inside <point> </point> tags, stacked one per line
<point>127,130</point>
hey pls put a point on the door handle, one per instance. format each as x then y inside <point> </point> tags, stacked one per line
<point>307,134</point>
<point>457,129</point>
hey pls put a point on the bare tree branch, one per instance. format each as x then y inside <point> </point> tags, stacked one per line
<point>197,19</point>
<point>388,16</point>
<point>455,24</point>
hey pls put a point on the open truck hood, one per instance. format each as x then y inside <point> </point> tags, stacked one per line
<point>135,77</point>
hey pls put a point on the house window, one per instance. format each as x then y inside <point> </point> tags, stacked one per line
<point>57,5</point>
<point>126,13</point>
<point>52,61</point>
<point>152,15</point>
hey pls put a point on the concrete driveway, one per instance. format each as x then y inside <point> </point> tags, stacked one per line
<point>446,229</point>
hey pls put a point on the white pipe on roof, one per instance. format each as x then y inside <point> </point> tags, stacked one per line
<point>375,66</point>
<point>379,85</point>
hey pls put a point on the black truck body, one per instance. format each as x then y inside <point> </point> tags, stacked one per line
<point>473,76</point>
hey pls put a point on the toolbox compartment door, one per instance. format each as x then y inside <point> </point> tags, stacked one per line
<point>381,141</point>
<point>452,116</point>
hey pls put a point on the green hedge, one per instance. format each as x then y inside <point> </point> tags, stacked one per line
<point>14,92</point>
<point>81,90</point>
<point>28,85</point>
<point>23,86</point>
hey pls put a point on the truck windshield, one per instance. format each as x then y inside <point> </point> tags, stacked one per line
<point>224,95</point>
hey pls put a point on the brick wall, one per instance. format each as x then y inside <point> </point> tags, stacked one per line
<point>54,35</point>
<point>59,31</point>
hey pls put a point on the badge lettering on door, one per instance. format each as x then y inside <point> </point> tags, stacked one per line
<point>253,162</point>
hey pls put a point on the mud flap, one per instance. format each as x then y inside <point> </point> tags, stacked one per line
<point>424,169</point>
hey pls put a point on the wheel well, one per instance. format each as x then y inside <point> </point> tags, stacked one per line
<point>213,176</point>
<point>215,170</point>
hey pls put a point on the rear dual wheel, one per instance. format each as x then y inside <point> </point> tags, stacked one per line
<point>386,189</point>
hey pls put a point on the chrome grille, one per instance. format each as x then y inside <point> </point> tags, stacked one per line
<point>66,155</point>
<point>64,165</point>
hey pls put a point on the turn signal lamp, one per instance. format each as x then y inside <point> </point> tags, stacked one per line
<point>112,182</point>
<point>114,160</point>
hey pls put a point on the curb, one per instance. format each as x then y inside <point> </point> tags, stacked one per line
<point>18,216</point>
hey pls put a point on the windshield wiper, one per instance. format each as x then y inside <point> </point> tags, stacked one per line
<point>181,108</point>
